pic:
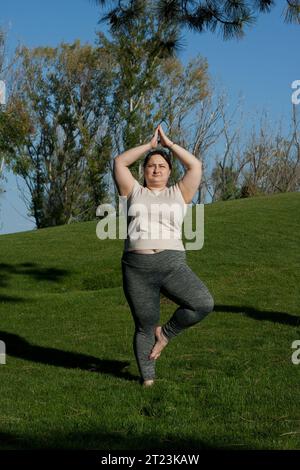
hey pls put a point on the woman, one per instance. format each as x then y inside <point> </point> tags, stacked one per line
<point>154,264</point>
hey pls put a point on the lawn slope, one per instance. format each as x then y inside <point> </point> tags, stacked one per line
<point>70,378</point>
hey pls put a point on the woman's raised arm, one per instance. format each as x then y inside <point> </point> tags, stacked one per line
<point>191,180</point>
<point>122,175</point>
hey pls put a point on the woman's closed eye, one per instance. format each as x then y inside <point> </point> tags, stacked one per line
<point>161,166</point>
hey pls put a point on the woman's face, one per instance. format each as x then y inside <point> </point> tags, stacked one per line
<point>157,172</point>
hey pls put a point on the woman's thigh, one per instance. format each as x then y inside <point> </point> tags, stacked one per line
<point>186,289</point>
<point>143,295</point>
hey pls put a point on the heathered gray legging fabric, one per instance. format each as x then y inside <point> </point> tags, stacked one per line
<point>144,277</point>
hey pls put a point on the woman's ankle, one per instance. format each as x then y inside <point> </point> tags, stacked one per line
<point>164,335</point>
<point>148,382</point>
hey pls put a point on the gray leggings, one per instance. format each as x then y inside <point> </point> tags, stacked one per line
<point>144,277</point>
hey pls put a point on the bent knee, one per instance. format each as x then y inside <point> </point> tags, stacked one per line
<point>205,306</point>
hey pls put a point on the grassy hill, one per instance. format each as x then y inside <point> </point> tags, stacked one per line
<point>71,380</point>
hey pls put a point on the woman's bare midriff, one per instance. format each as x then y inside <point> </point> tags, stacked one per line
<point>146,252</point>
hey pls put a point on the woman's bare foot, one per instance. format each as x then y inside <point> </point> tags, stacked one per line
<point>161,343</point>
<point>148,383</point>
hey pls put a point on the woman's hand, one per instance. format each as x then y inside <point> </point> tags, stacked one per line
<point>153,141</point>
<point>163,138</point>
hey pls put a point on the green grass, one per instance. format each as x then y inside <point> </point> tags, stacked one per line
<point>71,380</point>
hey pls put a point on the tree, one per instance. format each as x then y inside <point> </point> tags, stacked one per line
<point>265,162</point>
<point>54,131</point>
<point>229,17</point>
<point>273,160</point>
<point>2,58</point>
<point>2,98</point>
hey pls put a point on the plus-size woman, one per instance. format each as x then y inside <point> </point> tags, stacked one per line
<point>154,257</point>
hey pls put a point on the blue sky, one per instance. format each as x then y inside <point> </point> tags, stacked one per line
<point>261,66</point>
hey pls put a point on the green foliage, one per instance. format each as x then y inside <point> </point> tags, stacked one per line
<point>74,106</point>
<point>229,18</point>
<point>52,130</point>
<point>225,183</point>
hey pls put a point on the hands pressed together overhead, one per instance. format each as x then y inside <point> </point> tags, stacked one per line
<point>165,142</point>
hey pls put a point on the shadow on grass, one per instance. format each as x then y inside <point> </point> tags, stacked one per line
<point>29,269</point>
<point>17,346</point>
<point>119,440</point>
<point>9,298</point>
<point>276,317</point>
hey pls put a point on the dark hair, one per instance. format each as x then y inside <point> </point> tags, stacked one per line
<point>161,151</point>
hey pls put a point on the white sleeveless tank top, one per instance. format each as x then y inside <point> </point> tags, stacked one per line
<point>154,218</point>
